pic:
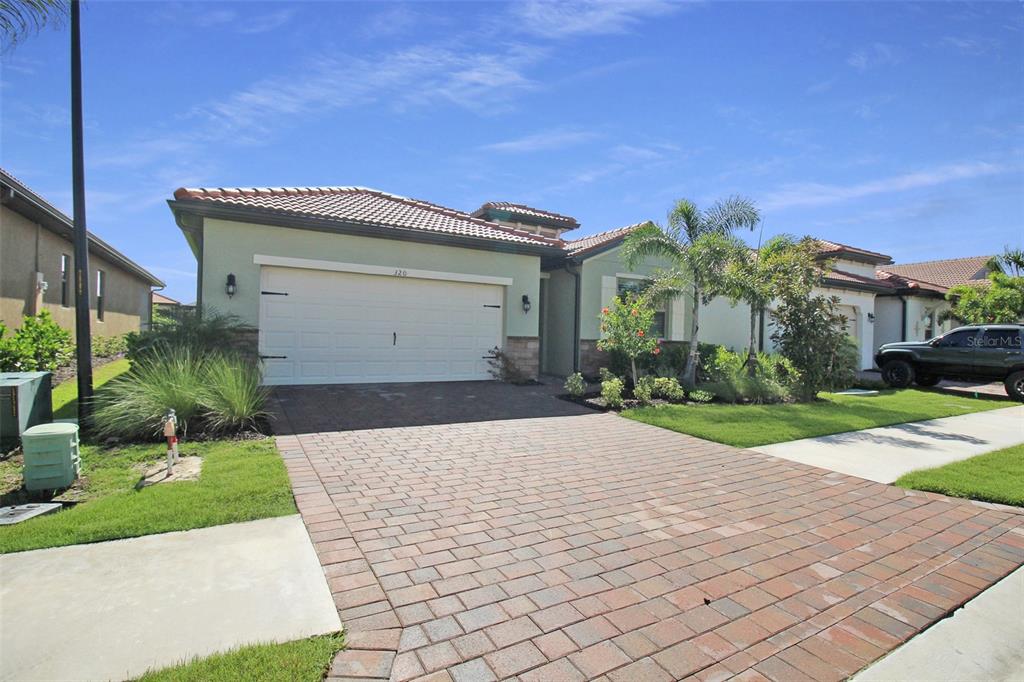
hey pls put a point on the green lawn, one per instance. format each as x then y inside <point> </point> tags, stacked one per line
<point>305,660</point>
<point>240,481</point>
<point>993,477</point>
<point>752,425</point>
<point>65,395</point>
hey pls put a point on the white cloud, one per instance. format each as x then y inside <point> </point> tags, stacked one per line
<point>262,23</point>
<point>820,86</point>
<point>818,194</point>
<point>200,15</point>
<point>415,76</point>
<point>590,17</point>
<point>971,45</point>
<point>542,141</point>
<point>873,56</point>
<point>395,20</point>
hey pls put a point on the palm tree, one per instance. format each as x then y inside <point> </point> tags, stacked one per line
<point>1009,262</point>
<point>21,18</point>
<point>699,244</point>
<point>750,278</point>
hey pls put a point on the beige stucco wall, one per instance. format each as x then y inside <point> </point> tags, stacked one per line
<point>229,247</point>
<point>888,320</point>
<point>724,324</point>
<point>593,297</point>
<point>27,248</point>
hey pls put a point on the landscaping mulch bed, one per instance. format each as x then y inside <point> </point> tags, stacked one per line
<point>71,371</point>
<point>595,402</point>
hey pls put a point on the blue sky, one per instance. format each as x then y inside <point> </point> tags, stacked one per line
<point>897,127</point>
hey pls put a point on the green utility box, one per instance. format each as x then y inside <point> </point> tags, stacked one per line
<point>24,402</point>
<point>51,456</point>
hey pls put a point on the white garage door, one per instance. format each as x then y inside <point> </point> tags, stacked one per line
<point>320,327</point>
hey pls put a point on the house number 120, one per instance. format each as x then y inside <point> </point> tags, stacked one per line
<point>401,273</point>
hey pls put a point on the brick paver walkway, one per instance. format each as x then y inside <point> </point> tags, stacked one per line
<point>594,547</point>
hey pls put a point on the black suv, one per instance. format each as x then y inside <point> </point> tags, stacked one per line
<point>987,352</point>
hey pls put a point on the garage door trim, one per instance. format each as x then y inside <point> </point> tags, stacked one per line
<point>384,270</point>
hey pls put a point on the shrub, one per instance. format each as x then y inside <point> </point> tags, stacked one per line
<point>701,396</point>
<point>232,397</point>
<point>729,377</point>
<point>626,326</point>
<point>134,404</point>
<point>216,392</point>
<point>644,390</point>
<point>669,388</point>
<point>606,375</point>
<point>504,368</point>
<point>575,385</point>
<point>40,345</point>
<point>109,346</point>
<point>203,332</point>
<point>611,391</point>
<point>15,355</point>
<point>810,332</point>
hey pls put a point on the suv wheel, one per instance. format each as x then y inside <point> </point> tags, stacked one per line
<point>1015,385</point>
<point>898,373</point>
<point>927,380</point>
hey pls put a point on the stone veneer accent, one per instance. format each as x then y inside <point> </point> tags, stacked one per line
<point>525,352</point>
<point>591,358</point>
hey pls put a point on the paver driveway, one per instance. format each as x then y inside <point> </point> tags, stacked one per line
<point>583,546</point>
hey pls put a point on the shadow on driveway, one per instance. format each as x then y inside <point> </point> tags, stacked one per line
<point>348,407</point>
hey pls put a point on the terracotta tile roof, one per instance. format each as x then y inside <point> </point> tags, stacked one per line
<point>836,249</point>
<point>528,212</point>
<point>938,275</point>
<point>841,277</point>
<point>164,300</point>
<point>595,241</point>
<point>364,206</point>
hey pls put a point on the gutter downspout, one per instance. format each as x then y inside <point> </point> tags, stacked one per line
<point>569,264</point>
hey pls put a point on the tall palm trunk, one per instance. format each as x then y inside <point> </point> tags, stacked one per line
<point>752,353</point>
<point>689,378</point>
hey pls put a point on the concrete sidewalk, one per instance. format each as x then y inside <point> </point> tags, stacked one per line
<point>983,641</point>
<point>884,454</point>
<point>113,610</point>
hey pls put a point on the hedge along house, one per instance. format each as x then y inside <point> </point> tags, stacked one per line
<point>37,265</point>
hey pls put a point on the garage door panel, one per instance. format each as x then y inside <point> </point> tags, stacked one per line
<point>341,327</point>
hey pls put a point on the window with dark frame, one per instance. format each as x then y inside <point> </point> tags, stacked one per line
<point>636,286</point>
<point>101,291</point>
<point>65,270</point>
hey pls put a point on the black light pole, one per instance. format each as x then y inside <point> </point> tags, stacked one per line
<point>83,338</point>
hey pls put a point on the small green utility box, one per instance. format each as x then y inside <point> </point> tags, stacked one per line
<point>24,402</point>
<point>51,456</point>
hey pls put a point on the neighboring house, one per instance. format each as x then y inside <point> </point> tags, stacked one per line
<point>169,307</point>
<point>37,268</point>
<point>911,311</point>
<point>352,285</point>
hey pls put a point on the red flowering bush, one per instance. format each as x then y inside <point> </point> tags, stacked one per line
<point>626,325</point>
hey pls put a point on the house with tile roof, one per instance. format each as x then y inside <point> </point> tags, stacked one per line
<point>356,285</point>
<point>37,265</point>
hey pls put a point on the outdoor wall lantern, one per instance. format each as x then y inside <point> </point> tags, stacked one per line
<point>230,287</point>
<point>871,318</point>
<point>526,303</point>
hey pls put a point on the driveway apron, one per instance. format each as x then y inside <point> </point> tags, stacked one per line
<point>582,546</point>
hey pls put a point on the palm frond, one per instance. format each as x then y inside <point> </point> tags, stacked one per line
<point>650,240</point>
<point>667,284</point>
<point>21,18</point>
<point>685,220</point>
<point>731,214</point>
